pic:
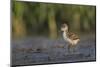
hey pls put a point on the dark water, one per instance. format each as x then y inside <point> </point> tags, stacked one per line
<point>40,50</point>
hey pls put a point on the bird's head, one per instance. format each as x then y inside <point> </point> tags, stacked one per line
<point>64,27</point>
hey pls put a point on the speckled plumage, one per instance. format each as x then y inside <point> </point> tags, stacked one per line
<point>74,39</point>
<point>70,37</point>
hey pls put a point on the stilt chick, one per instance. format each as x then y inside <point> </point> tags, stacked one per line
<point>70,37</point>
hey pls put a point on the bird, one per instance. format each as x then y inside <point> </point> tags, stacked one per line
<point>69,37</point>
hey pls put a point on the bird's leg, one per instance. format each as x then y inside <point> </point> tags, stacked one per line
<point>76,49</point>
<point>73,50</point>
<point>73,47</point>
<point>69,47</point>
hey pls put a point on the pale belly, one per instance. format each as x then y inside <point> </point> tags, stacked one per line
<point>73,42</point>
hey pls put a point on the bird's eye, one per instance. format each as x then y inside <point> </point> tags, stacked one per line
<point>63,26</point>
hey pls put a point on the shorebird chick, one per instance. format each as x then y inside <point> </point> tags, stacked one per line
<point>70,37</point>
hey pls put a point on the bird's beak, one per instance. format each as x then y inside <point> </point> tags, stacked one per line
<point>60,31</point>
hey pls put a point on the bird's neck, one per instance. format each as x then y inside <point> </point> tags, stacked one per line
<point>65,33</point>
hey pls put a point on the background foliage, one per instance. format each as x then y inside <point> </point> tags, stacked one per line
<point>34,18</point>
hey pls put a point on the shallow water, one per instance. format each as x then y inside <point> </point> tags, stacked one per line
<point>40,50</point>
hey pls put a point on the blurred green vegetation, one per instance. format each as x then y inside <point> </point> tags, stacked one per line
<point>34,18</point>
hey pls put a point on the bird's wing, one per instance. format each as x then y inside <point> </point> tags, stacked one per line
<point>72,36</point>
